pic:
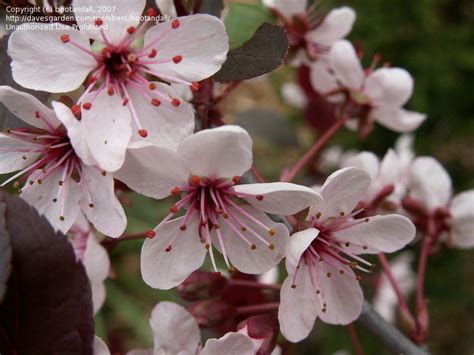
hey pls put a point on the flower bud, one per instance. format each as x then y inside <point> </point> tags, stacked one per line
<point>212,313</point>
<point>414,207</point>
<point>201,285</point>
<point>262,330</point>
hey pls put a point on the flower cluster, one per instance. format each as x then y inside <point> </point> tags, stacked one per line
<point>119,119</point>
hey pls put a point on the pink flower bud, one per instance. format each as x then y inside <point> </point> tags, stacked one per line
<point>212,313</point>
<point>202,285</point>
<point>262,330</point>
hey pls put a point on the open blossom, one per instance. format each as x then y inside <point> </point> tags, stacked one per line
<point>175,331</point>
<point>373,95</point>
<point>125,72</point>
<point>93,256</point>
<point>431,185</point>
<point>321,261</point>
<point>60,174</point>
<point>308,30</point>
<point>204,173</point>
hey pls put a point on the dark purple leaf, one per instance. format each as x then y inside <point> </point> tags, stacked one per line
<point>48,307</point>
<point>261,54</point>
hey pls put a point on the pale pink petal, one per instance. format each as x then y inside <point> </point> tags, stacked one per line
<point>294,95</point>
<point>299,242</point>
<point>99,203</point>
<point>429,182</point>
<point>321,79</point>
<point>366,161</point>
<point>287,8</point>
<point>174,328</point>
<point>145,352</point>
<point>462,223</point>
<point>220,152</point>
<point>340,291</point>
<point>26,107</point>
<point>75,131</point>
<point>15,160</point>
<point>98,296</point>
<point>99,347</point>
<point>194,33</point>
<point>42,197</point>
<point>152,171</point>
<point>96,260</point>
<point>166,7</point>
<point>166,124</point>
<point>397,119</point>
<point>341,192</point>
<point>278,197</point>
<point>386,234</point>
<point>299,306</point>
<point>107,124</point>
<point>127,13</point>
<point>346,65</point>
<point>336,25</point>
<point>41,61</point>
<point>230,344</point>
<point>165,270</point>
<point>389,87</point>
<point>240,253</point>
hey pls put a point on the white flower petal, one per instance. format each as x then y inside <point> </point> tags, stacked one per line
<point>126,13</point>
<point>75,131</point>
<point>25,106</point>
<point>462,222</point>
<point>152,171</point>
<point>12,161</point>
<point>41,197</point>
<point>96,260</point>
<point>397,119</point>
<point>429,182</point>
<point>386,234</point>
<point>299,307</point>
<point>341,192</point>
<point>231,344</point>
<point>107,124</point>
<point>240,253</point>
<point>346,65</point>
<point>98,296</point>
<point>41,61</point>
<point>165,270</point>
<point>335,26</point>
<point>341,292</point>
<point>221,152</point>
<point>294,95</point>
<point>279,197</point>
<point>321,79</point>
<point>299,242</point>
<point>194,33</point>
<point>366,161</point>
<point>166,124</point>
<point>99,347</point>
<point>106,213</point>
<point>174,328</point>
<point>389,87</point>
<point>166,7</point>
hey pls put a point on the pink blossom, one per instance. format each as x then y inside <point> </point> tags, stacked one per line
<point>321,261</point>
<point>60,173</point>
<point>204,173</point>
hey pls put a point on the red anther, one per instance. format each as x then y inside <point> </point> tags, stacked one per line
<point>175,191</point>
<point>143,133</point>
<point>195,86</point>
<point>259,197</point>
<point>175,23</point>
<point>99,22</point>
<point>92,79</point>
<point>151,12</point>
<point>194,180</point>
<point>174,209</point>
<point>87,105</point>
<point>110,90</point>
<point>76,110</point>
<point>152,53</point>
<point>183,227</point>
<point>131,29</point>
<point>177,58</point>
<point>175,102</point>
<point>37,114</point>
<point>152,86</point>
<point>65,38</point>
<point>125,101</point>
<point>150,233</point>
<point>168,248</point>
<point>155,102</point>
<point>236,179</point>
